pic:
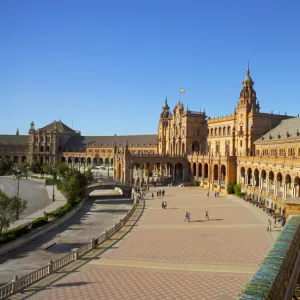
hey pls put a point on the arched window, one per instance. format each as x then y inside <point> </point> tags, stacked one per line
<point>224,131</point>
<point>220,131</point>
<point>228,130</point>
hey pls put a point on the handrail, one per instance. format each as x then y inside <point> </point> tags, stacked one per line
<point>20,283</point>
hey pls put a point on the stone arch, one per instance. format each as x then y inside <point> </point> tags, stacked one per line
<point>228,130</point>
<point>23,158</point>
<point>101,161</point>
<point>216,172</point>
<point>224,131</point>
<point>179,171</point>
<point>69,160</point>
<point>200,170</point>
<point>223,173</point>
<point>47,149</point>
<point>95,161</point>
<point>279,177</point>
<point>194,169</point>
<point>205,171</point>
<point>288,180</point>
<point>243,174</point>
<point>195,147</point>
<point>256,177</point>
<point>220,131</point>
<point>42,149</point>
<point>106,161</point>
<point>297,186</point>
<point>76,160</point>
<point>16,159</point>
<point>89,161</point>
<point>271,176</point>
<point>263,175</point>
<point>249,173</point>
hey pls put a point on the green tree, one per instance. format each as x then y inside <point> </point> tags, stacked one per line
<point>62,169</point>
<point>24,168</point>
<point>74,184</point>
<point>35,167</point>
<point>6,166</point>
<point>7,213</point>
<point>18,206</point>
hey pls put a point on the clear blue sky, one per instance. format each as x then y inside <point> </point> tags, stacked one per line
<point>106,66</point>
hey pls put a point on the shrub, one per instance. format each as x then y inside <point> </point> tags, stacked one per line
<point>230,188</point>
<point>39,222</point>
<point>34,176</point>
<point>18,231</point>
<point>7,238</point>
<point>237,189</point>
<point>195,182</point>
<point>60,211</point>
<point>51,181</point>
<point>77,200</point>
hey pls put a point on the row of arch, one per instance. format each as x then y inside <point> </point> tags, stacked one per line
<point>88,160</point>
<point>221,131</point>
<point>202,171</point>
<point>16,159</point>
<point>291,152</point>
<point>258,178</point>
<point>145,172</point>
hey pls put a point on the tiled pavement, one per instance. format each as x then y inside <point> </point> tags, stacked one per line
<point>163,257</point>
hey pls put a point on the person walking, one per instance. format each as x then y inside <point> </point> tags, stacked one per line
<point>206,216</point>
<point>269,225</point>
<point>208,194</point>
<point>186,217</point>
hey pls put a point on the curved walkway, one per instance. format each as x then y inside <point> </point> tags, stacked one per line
<point>163,257</point>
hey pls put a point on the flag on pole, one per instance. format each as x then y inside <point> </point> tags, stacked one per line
<point>182,91</point>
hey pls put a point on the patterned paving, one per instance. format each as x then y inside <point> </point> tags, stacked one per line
<point>163,257</point>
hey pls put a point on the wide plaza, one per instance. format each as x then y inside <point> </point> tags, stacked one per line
<point>163,257</point>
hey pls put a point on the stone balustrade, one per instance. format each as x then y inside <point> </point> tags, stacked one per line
<point>20,283</point>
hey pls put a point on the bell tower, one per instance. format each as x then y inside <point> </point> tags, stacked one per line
<point>245,112</point>
<point>163,128</point>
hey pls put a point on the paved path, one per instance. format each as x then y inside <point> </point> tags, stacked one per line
<point>96,216</point>
<point>33,192</point>
<point>163,257</point>
<point>60,200</point>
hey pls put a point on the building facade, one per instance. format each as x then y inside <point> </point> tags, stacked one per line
<point>259,150</point>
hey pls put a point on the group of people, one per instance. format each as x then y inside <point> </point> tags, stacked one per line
<point>159,193</point>
<point>188,216</point>
<point>216,194</point>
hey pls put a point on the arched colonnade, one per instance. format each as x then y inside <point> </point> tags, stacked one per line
<point>278,183</point>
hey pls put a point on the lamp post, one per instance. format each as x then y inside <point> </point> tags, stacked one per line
<point>18,176</point>
<point>54,178</point>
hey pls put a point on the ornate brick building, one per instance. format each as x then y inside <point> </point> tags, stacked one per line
<point>259,150</point>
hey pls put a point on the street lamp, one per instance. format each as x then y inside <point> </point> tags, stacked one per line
<point>54,178</point>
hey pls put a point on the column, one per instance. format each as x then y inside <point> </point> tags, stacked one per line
<point>253,180</point>
<point>246,179</point>
<point>173,171</point>
<point>293,191</point>
<point>260,181</point>
<point>268,185</point>
<point>284,191</point>
<point>197,171</point>
<point>275,187</point>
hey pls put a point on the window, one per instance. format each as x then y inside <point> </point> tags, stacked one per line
<point>220,131</point>
<point>224,131</point>
<point>241,143</point>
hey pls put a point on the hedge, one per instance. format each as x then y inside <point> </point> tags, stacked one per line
<point>230,188</point>
<point>39,222</point>
<point>195,182</point>
<point>51,181</point>
<point>18,231</point>
<point>60,211</point>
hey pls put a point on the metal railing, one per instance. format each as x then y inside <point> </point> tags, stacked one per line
<point>20,283</point>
